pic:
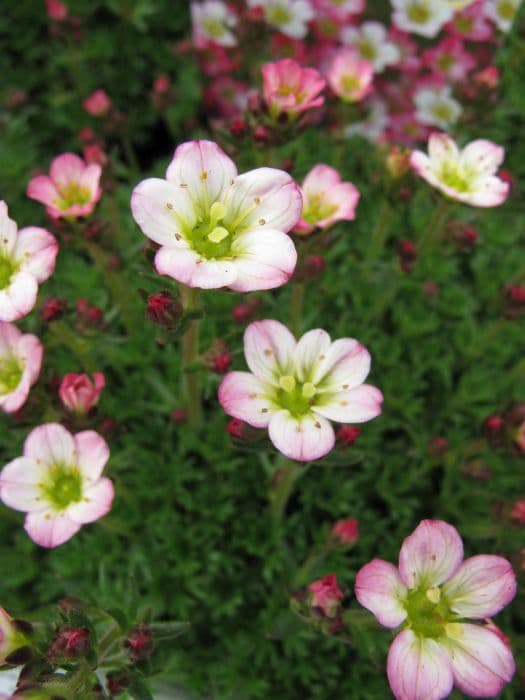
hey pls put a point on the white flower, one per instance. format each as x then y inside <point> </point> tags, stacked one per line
<point>436,107</point>
<point>502,12</point>
<point>424,17</point>
<point>374,126</point>
<point>290,17</point>
<point>212,21</point>
<point>371,43</point>
<point>467,175</point>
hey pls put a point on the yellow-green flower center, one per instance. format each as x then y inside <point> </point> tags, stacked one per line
<point>278,14</point>
<point>318,209</point>
<point>72,193</point>
<point>7,270</point>
<point>64,487</point>
<point>294,396</point>
<point>419,13</point>
<point>209,238</point>
<point>367,49</point>
<point>428,613</point>
<point>213,27</point>
<point>442,111</point>
<point>10,374</point>
<point>456,178</point>
<point>506,10</point>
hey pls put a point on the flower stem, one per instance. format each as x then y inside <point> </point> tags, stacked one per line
<point>190,356</point>
<point>296,306</point>
<point>436,225</point>
<point>290,472</point>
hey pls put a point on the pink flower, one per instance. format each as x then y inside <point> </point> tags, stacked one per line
<point>326,200</point>
<point>346,531</point>
<point>56,10</point>
<point>437,597</point>
<point>20,362</point>
<point>326,595</point>
<point>339,10</point>
<point>71,189</point>
<point>27,258</point>
<point>290,89</point>
<point>470,23</point>
<point>297,387</point>
<point>97,104</point>
<point>449,59</point>
<point>79,394</point>
<point>10,638</point>
<point>467,175</point>
<point>216,228</point>
<point>58,482</point>
<point>350,77</point>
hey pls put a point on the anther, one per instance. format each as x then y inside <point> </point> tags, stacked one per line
<point>287,383</point>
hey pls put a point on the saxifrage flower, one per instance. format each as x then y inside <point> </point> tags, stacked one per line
<point>297,387</point>
<point>20,362</point>
<point>467,175</point>
<point>27,258</point>
<point>438,598</point>
<point>58,482</point>
<point>217,228</point>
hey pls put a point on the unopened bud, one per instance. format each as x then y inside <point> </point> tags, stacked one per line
<point>438,445</point>
<point>242,313</point>
<point>346,531</point>
<point>217,358</point>
<point>139,642</point>
<point>164,309</point>
<point>53,308</point>
<point>70,643</point>
<point>346,435</point>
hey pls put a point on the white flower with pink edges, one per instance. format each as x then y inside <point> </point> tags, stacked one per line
<point>58,482</point>
<point>27,258</point>
<point>443,604</point>
<point>290,17</point>
<point>423,17</point>
<point>370,41</point>
<point>296,388</point>
<point>326,199</point>
<point>467,175</point>
<point>213,21</point>
<point>20,362</point>
<point>217,228</point>
<point>502,12</point>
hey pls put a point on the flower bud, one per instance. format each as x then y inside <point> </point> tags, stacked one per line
<point>164,309</point>
<point>397,162</point>
<point>57,11</point>
<point>346,435</point>
<point>261,134</point>
<point>179,415</point>
<point>326,595</point>
<point>237,428</point>
<point>237,127</point>
<point>517,513</point>
<point>53,308</point>
<point>464,236</point>
<point>438,445</point>
<point>494,424</point>
<point>118,682</point>
<point>139,642</point>
<point>309,268</point>
<point>70,643</point>
<point>79,394</point>
<point>242,313</point>
<point>346,531</point>
<point>407,252</point>
<point>217,358</point>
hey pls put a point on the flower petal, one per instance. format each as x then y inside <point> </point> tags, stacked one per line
<point>264,198</point>
<point>205,169</point>
<point>482,156</point>
<point>489,192</point>
<point>263,260</point>
<point>43,189</point>
<point>19,298</point>
<point>481,661</point>
<point>66,168</point>
<point>50,529</point>
<point>430,555</point>
<point>379,588</point>
<point>19,484</point>
<point>358,405</point>
<point>481,587</point>
<point>51,444</point>
<point>163,211</point>
<point>345,366</point>
<point>17,397</point>
<point>418,668</point>
<point>187,266</point>
<point>269,348</point>
<point>310,353</point>
<point>96,502</point>
<point>8,231</point>
<point>37,250</point>
<point>9,339</point>
<point>244,396</point>
<point>31,350</point>
<point>441,148</point>
<point>303,438</point>
<point>92,454</point>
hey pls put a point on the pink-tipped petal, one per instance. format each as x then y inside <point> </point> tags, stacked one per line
<point>481,661</point>
<point>321,177</point>
<point>441,148</point>
<point>490,192</point>
<point>379,588</point>
<point>187,266</point>
<point>31,350</point>
<point>163,210</point>
<point>358,405</point>
<point>418,668</point>
<point>205,169</point>
<point>483,156</point>
<point>243,396</point>
<point>37,250</point>
<point>51,444</point>
<point>269,348</point>
<point>16,398</point>
<point>43,189</point>
<point>430,555</point>
<point>18,484</point>
<point>92,454</point>
<point>264,198</point>
<point>302,438</point>
<point>66,168</point>
<point>345,366</point>
<point>96,502</point>
<point>17,300</point>
<point>310,353</point>
<point>481,587</point>
<point>9,338</point>
<point>263,260</point>
<point>50,529</point>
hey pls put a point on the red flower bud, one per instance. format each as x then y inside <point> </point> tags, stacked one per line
<point>465,236</point>
<point>179,415</point>
<point>346,435</point>
<point>309,268</point>
<point>326,595</point>
<point>261,134</point>
<point>242,313</point>
<point>237,428</point>
<point>407,251</point>
<point>139,642</point>
<point>53,308</point>
<point>217,358</point>
<point>237,127</point>
<point>70,642</point>
<point>118,682</point>
<point>494,424</point>
<point>438,445</point>
<point>517,513</point>
<point>346,531</point>
<point>164,309</point>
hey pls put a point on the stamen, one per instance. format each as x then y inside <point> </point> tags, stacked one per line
<point>218,234</point>
<point>434,595</point>
<point>308,390</point>
<point>287,383</point>
<point>454,630</point>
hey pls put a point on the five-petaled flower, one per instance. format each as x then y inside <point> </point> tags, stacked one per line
<point>296,388</point>
<point>70,190</point>
<point>217,228</point>
<point>58,482</point>
<point>20,362</point>
<point>438,597</point>
<point>467,175</point>
<point>290,89</point>
<point>326,199</point>
<point>27,258</point>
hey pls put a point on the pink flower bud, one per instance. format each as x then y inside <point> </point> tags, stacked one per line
<point>70,642</point>
<point>242,313</point>
<point>164,309</point>
<point>347,435</point>
<point>179,415</point>
<point>438,445</point>
<point>56,10</point>
<point>494,424</point>
<point>465,236</point>
<point>218,358</point>
<point>325,595</point>
<point>161,85</point>
<point>53,308</point>
<point>346,531</point>
<point>237,428</point>
<point>79,394</point>
<point>139,642</point>
<point>97,104</point>
<point>237,127</point>
<point>517,513</point>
